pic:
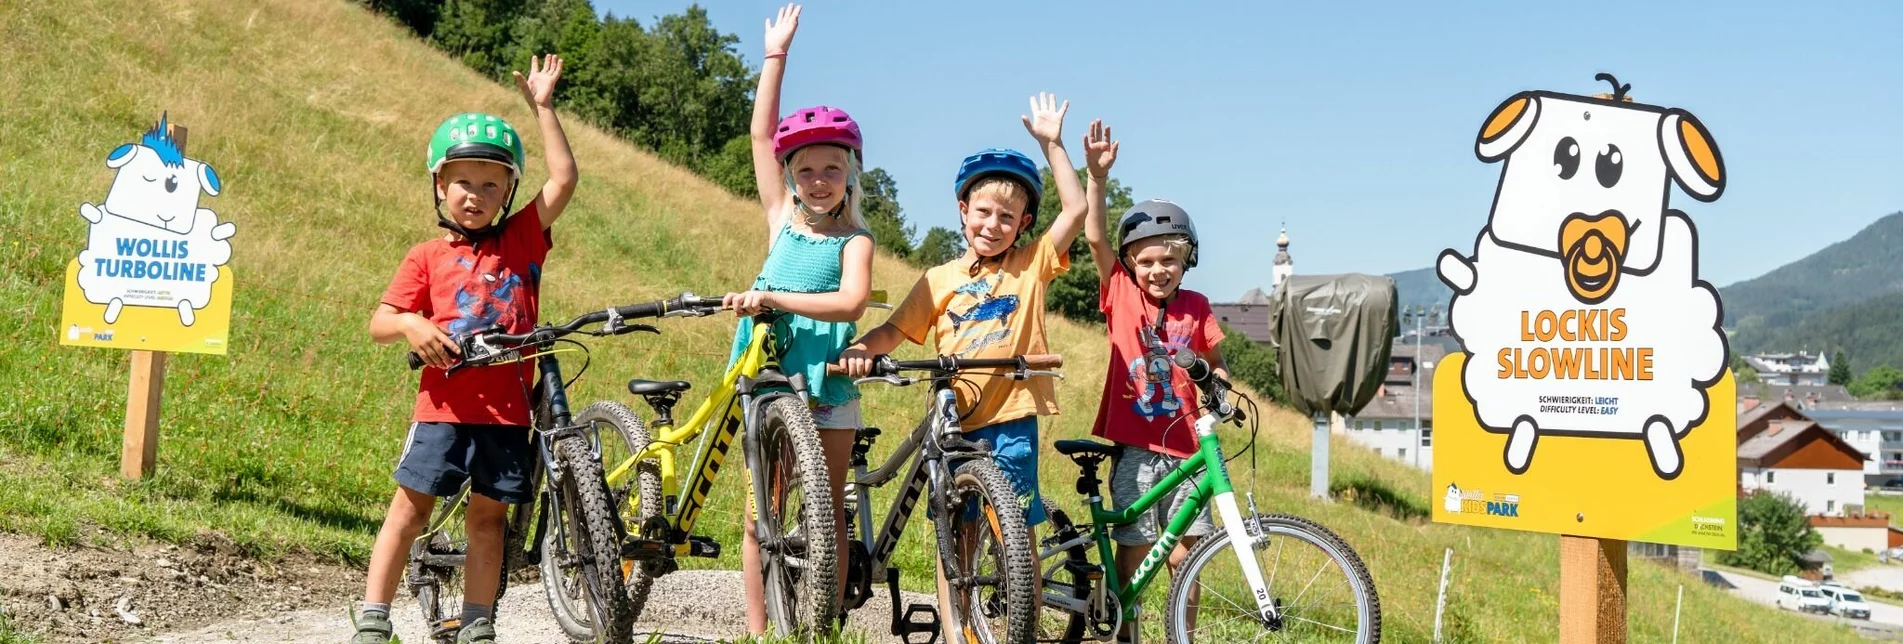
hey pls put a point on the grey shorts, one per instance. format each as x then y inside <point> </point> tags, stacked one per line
<point>1135,472</point>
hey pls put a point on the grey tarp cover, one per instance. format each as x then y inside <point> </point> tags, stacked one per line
<point>1333,334</point>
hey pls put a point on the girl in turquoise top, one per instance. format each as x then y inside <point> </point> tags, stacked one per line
<point>818,270</point>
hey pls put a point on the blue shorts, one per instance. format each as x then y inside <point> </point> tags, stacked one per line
<point>494,459</point>
<point>1014,449</point>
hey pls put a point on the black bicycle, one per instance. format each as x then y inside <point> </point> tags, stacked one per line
<point>983,543</point>
<point>577,533</point>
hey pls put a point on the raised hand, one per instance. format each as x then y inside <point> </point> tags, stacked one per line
<point>1046,121</point>
<point>1100,151</point>
<point>539,86</point>
<point>779,32</point>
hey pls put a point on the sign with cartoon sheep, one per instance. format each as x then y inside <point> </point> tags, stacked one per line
<point>152,275</point>
<point>1592,372</point>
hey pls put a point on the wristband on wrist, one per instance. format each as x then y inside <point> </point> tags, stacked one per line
<point>777,54</point>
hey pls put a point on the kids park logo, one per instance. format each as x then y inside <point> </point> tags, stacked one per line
<point>1460,501</point>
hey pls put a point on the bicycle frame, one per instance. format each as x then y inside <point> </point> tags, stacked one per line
<point>1211,488</point>
<point>725,411</point>
<point>928,471</point>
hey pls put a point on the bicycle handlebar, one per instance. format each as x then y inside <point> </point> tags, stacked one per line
<point>884,365</point>
<point>486,342</point>
<point>1215,390</point>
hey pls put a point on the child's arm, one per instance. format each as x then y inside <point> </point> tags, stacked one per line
<point>1099,154</point>
<point>843,305</point>
<point>857,359</point>
<point>766,114</point>
<point>910,321</point>
<point>388,324</point>
<point>539,89</point>
<point>1216,363</point>
<point>1046,124</point>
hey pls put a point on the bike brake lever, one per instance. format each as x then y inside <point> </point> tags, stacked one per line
<point>1027,375</point>
<point>890,380</point>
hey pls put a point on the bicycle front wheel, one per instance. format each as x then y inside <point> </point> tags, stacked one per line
<point>799,548</point>
<point>1321,590</point>
<point>581,562</point>
<point>637,495</point>
<point>995,597</point>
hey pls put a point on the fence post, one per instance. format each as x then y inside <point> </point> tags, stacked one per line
<point>1440,605</point>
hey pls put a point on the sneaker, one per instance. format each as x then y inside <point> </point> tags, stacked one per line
<point>373,629</point>
<point>480,631</point>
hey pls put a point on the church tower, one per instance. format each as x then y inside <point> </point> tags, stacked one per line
<point>1284,266</point>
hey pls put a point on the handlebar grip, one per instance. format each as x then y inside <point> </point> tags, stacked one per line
<point>416,361</point>
<point>1044,361</point>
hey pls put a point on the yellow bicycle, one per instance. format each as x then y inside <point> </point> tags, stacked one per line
<point>755,400</point>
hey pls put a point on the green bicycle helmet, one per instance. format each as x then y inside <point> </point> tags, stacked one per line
<point>474,136</point>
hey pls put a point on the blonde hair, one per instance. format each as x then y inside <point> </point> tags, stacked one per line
<point>1176,245</point>
<point>854,195</point>
<point>1001,188</point>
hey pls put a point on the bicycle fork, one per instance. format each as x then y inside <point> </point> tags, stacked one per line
<point>1241,534</point>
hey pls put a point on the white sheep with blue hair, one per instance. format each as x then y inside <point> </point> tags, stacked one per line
<point>149,243</point>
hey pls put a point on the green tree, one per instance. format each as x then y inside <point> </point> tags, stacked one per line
<point>1742,372</point>
<point>1253,364</point>
<point>1773,534</point>
<point>880,205</point>
<point>695,91</point>
<point>419,15</point>
<point>940,245</point>
<point>1882,382</point>
<point>478,32</point>
<point>1840,368</point>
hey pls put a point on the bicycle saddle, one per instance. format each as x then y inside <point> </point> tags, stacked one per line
<point>640,387</point>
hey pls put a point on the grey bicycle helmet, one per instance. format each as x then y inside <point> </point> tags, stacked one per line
<point>1156,218</point>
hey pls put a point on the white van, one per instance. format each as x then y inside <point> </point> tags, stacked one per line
<point>1799,594</point>
<point>1845,602</point>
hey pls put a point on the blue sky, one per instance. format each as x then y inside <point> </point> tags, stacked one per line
<point>1355,124</point>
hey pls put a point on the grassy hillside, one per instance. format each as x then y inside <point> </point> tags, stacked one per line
<point>315,114</point>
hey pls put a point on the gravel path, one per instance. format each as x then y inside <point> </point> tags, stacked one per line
<point>687,606</point>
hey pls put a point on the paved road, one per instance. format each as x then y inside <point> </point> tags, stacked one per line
<point>1886,620</point>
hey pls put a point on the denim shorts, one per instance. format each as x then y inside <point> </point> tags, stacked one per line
<point>1014,449</point>
<point>494,459</point>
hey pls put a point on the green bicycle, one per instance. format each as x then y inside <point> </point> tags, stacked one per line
<point>1224,591</point>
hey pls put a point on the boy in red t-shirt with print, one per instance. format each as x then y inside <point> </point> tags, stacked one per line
<point>481,273</point>
<point>1149,404</point>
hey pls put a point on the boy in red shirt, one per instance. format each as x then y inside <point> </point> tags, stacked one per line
<point>482,272</point>
<point>1149,405</point>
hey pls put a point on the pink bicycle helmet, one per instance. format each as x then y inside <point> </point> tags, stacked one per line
<point>815,125</point>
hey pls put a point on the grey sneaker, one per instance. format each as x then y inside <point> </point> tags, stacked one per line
<point>481,631</point>
<point>373,629</point>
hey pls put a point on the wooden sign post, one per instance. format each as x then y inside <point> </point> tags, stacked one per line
<point>145,389</point>
<point>140,451</point>
<point>1592,590</point>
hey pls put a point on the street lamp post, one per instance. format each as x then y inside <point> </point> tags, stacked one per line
<point>1420,314</point>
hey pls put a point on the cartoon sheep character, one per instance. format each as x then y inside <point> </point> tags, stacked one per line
<point>150,244</point>
<point>1582,300</point>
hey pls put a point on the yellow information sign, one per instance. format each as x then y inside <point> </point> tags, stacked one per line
<point>153,273</point>
<point>82,323</point>
<point>1582,485</point>
<point>1591,395</point>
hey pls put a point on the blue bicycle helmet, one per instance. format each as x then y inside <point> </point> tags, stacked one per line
<point>1000,161</point>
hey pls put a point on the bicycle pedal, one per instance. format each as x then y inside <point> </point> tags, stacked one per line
<point>639,549</point>
<point>910,625</point>
<point>698,546</point>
